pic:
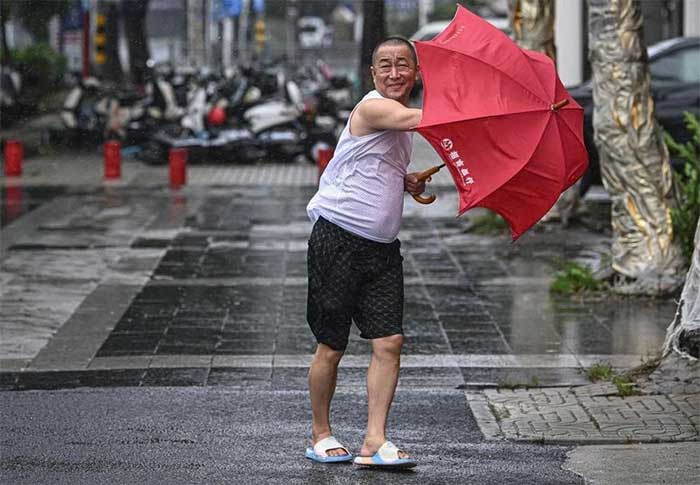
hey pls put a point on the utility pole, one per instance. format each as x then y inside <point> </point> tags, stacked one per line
<point>86,39</point>
<point>211,30</point>
<point>195,33</point>
<point>292,16</point>
<point>243,32</point>
<point>227,42</point>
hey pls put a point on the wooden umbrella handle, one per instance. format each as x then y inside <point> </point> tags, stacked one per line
<point>425,175</point>
<point>424,200</point>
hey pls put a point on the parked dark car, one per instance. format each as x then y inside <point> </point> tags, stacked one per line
<point>675,85</point>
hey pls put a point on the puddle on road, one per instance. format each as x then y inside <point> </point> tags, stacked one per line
<point>535,321</point>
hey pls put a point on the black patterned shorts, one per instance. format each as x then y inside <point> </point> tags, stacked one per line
<point>353,279</point>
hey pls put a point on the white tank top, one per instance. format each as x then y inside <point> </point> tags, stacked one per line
<point>362,188</point>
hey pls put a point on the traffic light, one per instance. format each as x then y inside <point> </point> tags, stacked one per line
<point>100,39</point>
<point>260,36</point>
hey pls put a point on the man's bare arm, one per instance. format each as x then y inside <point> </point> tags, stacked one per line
<point>384,114</point>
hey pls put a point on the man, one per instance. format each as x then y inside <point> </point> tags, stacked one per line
<point>354,261</point>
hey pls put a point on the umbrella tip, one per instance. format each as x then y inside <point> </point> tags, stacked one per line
<point>560,104</point>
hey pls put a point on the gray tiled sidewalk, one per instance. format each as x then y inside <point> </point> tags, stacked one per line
<point>86,169</point>
<point>564,415</point>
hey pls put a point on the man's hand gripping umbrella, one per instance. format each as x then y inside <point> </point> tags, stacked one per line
<point>426,176</point>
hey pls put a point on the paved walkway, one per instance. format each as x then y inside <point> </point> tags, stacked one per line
<point>130,284</point>
<point>86,169</point>
<point>591,414</point>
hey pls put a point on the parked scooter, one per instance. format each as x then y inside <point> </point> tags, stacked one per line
<point>10,89</point>
<point>93,112</point>
<point>288,126</point>
<point>233,119</point>
<point>330,94</point>
<point>203,137</point>
<point>244,115</point>
<point>84,113</point>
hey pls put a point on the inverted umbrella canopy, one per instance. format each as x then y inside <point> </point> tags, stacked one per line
<point>500,118</point>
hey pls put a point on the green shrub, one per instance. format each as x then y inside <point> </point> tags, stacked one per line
<point>603,371</point>
<point>42,71</point>
<point>687,210</point>
<point>600,371</point>
<point>574,278</point>
<point>625,386</point>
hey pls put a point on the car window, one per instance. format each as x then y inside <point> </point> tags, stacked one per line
<point>429,36</point>
<point>681,66</point>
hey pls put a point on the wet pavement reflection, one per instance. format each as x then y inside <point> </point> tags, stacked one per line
<point>229,280</point>
<point>233,282</point>
<point>16,200</point>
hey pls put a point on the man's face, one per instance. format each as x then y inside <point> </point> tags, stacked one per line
<point>394,72</point>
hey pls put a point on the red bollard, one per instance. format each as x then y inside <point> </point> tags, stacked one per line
<point>324,156</point>
<point>14,153</point>
<point>178,167</point>
<point>113,159</point>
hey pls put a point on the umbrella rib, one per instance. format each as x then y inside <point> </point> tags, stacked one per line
<point>535,145</point>
<point>568,127</point>
<point>513,113</point>
<point>525,88</point>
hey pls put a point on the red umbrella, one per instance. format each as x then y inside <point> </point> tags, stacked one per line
<point>500,118</point>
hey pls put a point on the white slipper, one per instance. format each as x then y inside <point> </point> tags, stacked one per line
<point>387,456</point>
<point>319,452</point>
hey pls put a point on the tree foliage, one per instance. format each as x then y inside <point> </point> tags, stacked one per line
<point>687,210</point>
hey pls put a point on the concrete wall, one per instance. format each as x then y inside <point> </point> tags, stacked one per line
<point>691,20</point>
<point>568,35</point>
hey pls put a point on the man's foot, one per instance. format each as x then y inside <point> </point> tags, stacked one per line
<point>331,452</point>
<point>321,451</point>
<point>369,448</point>
<point>388,455</point>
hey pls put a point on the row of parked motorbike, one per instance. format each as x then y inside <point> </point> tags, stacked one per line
<point>241,115</point>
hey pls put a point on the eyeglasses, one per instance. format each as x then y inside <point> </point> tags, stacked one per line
<point>400,68</point>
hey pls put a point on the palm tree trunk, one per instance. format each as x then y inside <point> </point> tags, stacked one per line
<point>532,22</point>
<point>633,158</point>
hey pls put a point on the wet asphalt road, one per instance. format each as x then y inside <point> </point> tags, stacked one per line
<point>228,435</point>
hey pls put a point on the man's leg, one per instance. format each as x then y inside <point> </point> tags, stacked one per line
<point>382,377</point>
<point>323,374</point>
